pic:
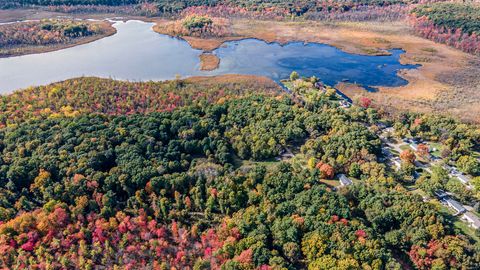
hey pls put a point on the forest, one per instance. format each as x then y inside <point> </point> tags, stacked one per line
<point>237,172</point>
<point>455,24</point>
<point>16,38</point>
<point>47,32</point>
<point>287,8</point>
<point>180,175</point>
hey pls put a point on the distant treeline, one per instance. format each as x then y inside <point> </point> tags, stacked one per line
<point>290,6</point>
<point>69,2</point>
<point>455,24</point>
<point>452,16</point>
<point>173,5</point>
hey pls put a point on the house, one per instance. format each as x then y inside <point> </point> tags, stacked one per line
<point>381,125</point>
<point>463,178</point>
<point>458,207</point>
<point>396,161</point>
<point>389,130</point>
<point>319,85</point>
<point>472,220</point>
<point>344,104</point>
<point>414,146</point>
<point>344,180</point>
<point>416,140</point>
<point>440,194</point>
<point>448,168</point>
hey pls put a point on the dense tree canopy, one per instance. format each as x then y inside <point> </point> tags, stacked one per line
<point>195,185</point>
<point>454,23</point>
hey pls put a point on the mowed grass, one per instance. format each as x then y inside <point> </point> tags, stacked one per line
<point>438,148</point>
<point>458,224</point>
<point>405,147</point>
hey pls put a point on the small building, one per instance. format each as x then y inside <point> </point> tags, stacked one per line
<point>344,180</point>
<point>396,161</point>
<point>458,207</point>
<point>319,85</point>
<point>472,220</point>
<point>463,178</point>
<point>414,146</point>
<point>416,140</point>
<point>389,130</point>
<point>448,168</point>
<point>381,125</point>
<point>440,194</point>
<point>344,104</point>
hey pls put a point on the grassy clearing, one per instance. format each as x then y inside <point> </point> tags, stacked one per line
<point>438,149</point>
<point>330,183</point>
<point>464,228</point>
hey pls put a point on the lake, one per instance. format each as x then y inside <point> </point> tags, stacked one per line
<point>137,53</point>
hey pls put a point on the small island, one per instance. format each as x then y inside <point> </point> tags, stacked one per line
<point>31,37</point>
<point>201,32</point>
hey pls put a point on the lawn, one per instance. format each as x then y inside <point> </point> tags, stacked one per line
<point>438,147</point>
<point>238,162</point>
<point>458,224</point>
<point>405,147</point>
<point>463,227</point>
<point>330,183</point>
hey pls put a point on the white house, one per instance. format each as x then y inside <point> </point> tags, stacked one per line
<point>396,161</point>
<point>472,220</point>
<point>458,207</point>
<point>463,178</point>
<point>414,146</point>
<point>344,180</point>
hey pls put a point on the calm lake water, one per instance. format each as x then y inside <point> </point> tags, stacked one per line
<point>136,53</point>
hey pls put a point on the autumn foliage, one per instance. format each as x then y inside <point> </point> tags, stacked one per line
<point>423,151</point>
<point>407,156</point>
<point>454,24</point>
<point>131,240</point>
<point>84,95</point>
<point>437,253</point>
<point>365,102</point>
<point>46,32</point>
<point>326,171</point>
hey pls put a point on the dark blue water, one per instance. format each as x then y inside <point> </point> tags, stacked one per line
<point>137,53</point>
<point>328,63</point>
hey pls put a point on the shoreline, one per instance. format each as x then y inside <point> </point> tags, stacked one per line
<point>426,91</point>
<point>38,49</point>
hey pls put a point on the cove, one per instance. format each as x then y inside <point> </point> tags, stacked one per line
<point>137,53</point>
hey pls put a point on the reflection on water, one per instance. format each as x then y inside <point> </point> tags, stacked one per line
<point>137,53</point>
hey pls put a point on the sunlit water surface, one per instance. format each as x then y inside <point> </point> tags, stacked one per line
<point>137,53</point>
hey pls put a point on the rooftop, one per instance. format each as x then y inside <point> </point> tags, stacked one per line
<point>472,219</point>
<point>456,205</point>
<point>463,178</point>
<point>440,193</point>
<point>344,180</point>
